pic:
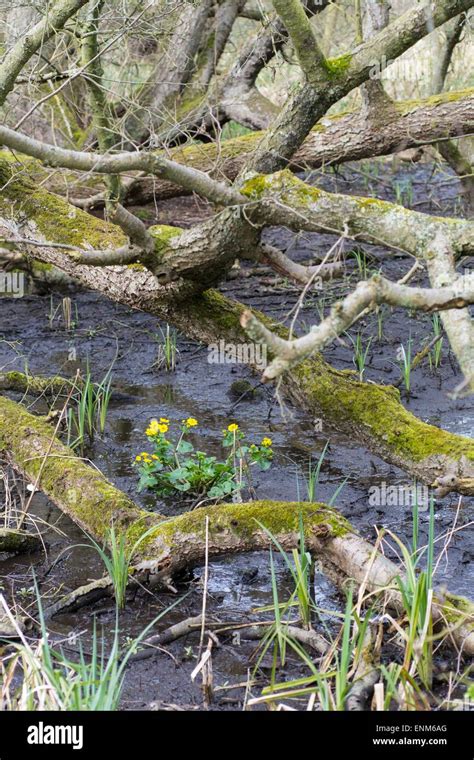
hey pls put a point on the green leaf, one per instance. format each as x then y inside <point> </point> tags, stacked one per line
<point>184,447</point>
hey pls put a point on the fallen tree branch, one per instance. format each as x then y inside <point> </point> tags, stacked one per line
<point>283,199</point>
<point>376,291</point>
<point>282,264</point>
<point>191,179</point>
<point>80,597</point>
<point>246,630</point>
<point>334,140</point>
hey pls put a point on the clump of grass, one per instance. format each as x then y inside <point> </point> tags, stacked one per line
<point>405,364</point>
<point>416,588</point>
<point>332,681</point>
<point>312,479</point>
<point>407,683</point>
<point>360,257</point>
<point>51,680</point>
<point>117,559</point>
<point>87,414</point>
<point>277,638</point>
<point>167,350</point>
<point>437,350</point>
<point>360,353</point>
<point>403,192</point>
<point>300,571</point>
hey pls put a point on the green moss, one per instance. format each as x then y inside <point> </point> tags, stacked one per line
<point>220,313</point>
<point>162,234</point>
<point>457,610</point>
<point>283,184</point>
<point>32,383</point>
<point>42,266</point>
<point>54,217</point>
<point>239,387</point>
<point>377,410</point>
<point>137,266</point>
<point>14,541</point>
<point>407,106</point>
<point>257,186</point>
<point>241,520</point>
<point>338,66</point>
<point>189,101</point>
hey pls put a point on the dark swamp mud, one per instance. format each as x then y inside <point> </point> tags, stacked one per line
<point>104,335</point>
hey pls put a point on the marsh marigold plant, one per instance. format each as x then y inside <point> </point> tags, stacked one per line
<point>173,465</point>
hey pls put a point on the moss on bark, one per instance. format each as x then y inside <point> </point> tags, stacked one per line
<point>16,541</point>
<point>19,381</point>
<point>78,489</point>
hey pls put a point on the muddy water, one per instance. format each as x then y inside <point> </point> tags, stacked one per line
<point>106,334</point>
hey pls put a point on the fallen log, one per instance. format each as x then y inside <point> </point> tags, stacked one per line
<point>20,381</point>
<point>334,140</point>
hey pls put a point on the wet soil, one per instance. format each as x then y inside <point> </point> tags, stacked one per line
<point>33,335</point>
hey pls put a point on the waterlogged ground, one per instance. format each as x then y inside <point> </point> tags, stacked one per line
<point>33,335</point>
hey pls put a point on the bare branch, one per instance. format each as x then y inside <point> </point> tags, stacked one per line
<point>377,290</point>
<point>190,179</point>
<point>27,46</point>
<point>303,274</point>
<point>106,257</point>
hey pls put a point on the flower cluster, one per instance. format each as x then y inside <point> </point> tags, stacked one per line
<point>157,426</point>
<point>176,466</point>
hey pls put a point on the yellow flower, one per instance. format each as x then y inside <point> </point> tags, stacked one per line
<point>152,428</point>
<point>163,419</point>
<point>138,458</point>
<point>190,422</point>
<point>163,428</point>
<point>233,428</point>
<point>153,456</point>
<point>267,442</point>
